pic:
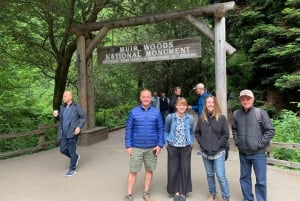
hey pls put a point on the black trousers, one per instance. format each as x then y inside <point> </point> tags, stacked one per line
<point>179,170</point>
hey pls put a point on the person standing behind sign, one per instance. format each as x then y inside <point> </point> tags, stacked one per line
<point>212,134</point>
<point>202,94</point>
<point>163,105</point>
<point>173,99</point>
<point>144,138</point>
<point>155,100</point>
<point>252,132</point>
<point>179,136</point>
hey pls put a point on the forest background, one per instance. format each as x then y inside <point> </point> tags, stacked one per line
<point>38,60</point>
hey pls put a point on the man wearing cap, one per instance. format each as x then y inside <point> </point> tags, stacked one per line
<point>252,132</point>
<point>202,94</point>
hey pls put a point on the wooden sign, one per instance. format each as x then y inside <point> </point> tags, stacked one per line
<point>165,50</point>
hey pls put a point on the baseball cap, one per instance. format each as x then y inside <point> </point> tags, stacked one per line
<point>199,85</point>
<point>246,92</point>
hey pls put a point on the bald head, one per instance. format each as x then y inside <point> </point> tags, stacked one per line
<point>68,97</point>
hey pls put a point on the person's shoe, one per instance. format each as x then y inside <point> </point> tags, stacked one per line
<point>147,197</point>
<point>70,173</point>
<point>77,162</point>
<point>212,198</point>
<point>128,198</point>
<point>176,198</point>
<point>182,198</point>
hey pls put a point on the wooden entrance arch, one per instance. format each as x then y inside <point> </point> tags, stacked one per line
<point>86,45</point>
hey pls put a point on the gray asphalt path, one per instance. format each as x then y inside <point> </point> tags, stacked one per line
<point>102,176</point>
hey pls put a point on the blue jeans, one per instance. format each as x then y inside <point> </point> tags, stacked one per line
<point>216,166</point>
<point>259,164</point>
<point>68,148</point>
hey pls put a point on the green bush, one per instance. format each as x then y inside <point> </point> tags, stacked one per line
<point>287,127</point>
<point>113,117</point>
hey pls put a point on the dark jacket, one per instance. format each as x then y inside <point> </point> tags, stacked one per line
<point>212,135</point>
<point>172,104</point>
<point>144,128</point>
<point>78,119</point>
<point>164,104</point>
<point>249,136</point>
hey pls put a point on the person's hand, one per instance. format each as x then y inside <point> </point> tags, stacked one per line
<point>130,151</point>
<point>157,150</point>
<point>77,130</point>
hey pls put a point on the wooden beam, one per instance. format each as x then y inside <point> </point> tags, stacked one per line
<point>209,33</point>
<point>213,9</point>
<point>93,44</point>
<point>220,64</point>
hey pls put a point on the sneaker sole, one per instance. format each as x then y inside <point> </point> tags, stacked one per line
<point>77,162</point>
<point>70,175</point>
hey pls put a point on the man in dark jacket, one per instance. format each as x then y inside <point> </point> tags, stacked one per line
<point>252,132</point>
<point>144,138</point>
<point>71,120</point>
<point>173,99</point>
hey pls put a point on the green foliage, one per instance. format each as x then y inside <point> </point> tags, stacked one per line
<point>268,33</point>
<point>114,117</point>
<point>288,81</point>
<point>287,128</point>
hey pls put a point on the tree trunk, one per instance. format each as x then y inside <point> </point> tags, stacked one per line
<point>61,74</point>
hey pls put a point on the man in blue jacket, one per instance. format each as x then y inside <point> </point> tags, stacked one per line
<point>71,120</point>
<point>144,139</point>
<point>202,94</point>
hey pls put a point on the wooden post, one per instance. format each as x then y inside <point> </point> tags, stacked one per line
<point>42,131</point>
<point>82,73</point>
<point>220,63</point>
<point>90,92</point>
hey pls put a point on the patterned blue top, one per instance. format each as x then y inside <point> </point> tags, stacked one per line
<point>180,135</point>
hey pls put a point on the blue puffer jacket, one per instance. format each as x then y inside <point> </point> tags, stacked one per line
<point>144,128</point>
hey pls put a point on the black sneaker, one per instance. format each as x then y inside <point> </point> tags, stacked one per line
<point>177,198</point>
<point>128,198</point>
<point>147,197</point>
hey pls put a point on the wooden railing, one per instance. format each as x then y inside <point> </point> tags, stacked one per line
<point>42,144</point>
<point>271,159</point>
<point>290,146</point>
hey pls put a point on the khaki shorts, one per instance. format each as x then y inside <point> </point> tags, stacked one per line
<point>142,156</point>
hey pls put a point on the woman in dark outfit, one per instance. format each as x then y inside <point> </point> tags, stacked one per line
<point>179,136</point>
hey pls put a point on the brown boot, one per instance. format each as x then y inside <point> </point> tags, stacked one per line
<point>212,198</point>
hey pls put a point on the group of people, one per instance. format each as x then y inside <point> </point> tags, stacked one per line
<point>147,133</point>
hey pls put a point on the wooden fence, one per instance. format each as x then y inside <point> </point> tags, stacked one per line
<point>270,157</point>
<point>42,144</point>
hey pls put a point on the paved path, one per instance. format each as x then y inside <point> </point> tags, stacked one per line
<point>102,175</point>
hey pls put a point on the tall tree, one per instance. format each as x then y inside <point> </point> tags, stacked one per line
<point>268,33</point>
<point>43,27</point>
